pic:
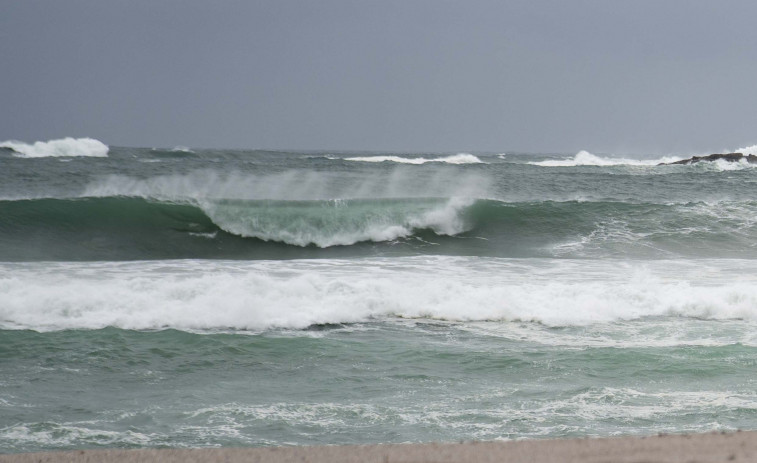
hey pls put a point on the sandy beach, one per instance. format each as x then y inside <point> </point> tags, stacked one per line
<point>701,448</point>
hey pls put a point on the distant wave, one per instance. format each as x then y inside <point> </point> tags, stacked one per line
<point>58,148</point>
<point>585,158</point>
<point>460,158</point>
<point>175,149</point>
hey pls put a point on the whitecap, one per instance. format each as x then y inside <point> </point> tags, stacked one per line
<point>56,148</point>
<point>460,158</point>
<point>585,158</point>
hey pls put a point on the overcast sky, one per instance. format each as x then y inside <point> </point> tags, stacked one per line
<point>408,75</point>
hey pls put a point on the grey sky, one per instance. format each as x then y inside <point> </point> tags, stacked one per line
<point>414,75</point>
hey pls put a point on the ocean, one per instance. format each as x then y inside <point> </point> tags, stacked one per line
<point>203,298</point>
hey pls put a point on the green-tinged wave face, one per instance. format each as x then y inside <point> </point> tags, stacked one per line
<point>99,228</point>
<point>337,222</point>
<point>616,229</point>
<point>124,228</point>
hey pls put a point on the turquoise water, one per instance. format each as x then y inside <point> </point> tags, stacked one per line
<point>159,298</point>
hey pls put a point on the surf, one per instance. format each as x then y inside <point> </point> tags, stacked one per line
<point>297,294</point>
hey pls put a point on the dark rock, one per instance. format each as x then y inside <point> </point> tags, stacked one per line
<point>730,157</point>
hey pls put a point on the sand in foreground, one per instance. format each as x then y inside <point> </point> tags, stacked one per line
<point>713,447</point>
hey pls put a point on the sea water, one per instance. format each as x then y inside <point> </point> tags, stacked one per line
<point>203,298</point>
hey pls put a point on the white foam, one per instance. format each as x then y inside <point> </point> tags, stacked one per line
<point>723,165</point>
<point>259,295</point>
<point>182,149</point>
<point>460,158</point>
<point>58,148</point>
<point>585,158</point>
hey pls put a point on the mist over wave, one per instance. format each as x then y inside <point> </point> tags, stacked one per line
<point>66,147</point>
<point>293,184</point>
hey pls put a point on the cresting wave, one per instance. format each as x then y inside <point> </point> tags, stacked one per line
<point>336,222</point>
<point>66,147</point>
<point>298,294</point>
<point>460,158</point>
<point>129,228</point>
<point>138,228</point>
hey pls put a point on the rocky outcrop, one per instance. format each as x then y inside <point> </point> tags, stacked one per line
<point>729,157</point>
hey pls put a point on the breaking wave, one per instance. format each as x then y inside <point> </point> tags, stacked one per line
<point>297,294</point>
<point>131,228</point>
<point>65,147</point>
<point>747,150</point>
<point>336,222</point>
<point>585,158</point>
<point>127,228</point>
<point>460,158</point>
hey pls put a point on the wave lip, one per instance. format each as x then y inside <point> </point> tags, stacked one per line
<point>460,158</point>
<point>64,147</point>
<point>585,158</point>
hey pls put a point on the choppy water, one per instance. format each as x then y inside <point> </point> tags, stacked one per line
<point>179,298</point>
